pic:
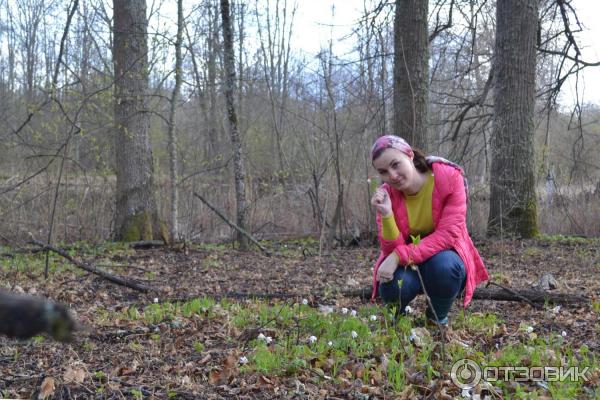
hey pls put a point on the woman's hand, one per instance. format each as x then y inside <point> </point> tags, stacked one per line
<point>382,202</point>
<point>385,272</point>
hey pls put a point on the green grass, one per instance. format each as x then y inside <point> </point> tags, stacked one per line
<point>343,340</point>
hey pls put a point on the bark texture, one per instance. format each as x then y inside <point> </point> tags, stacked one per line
<point>411,71</point>
<point>238,154</point>
<point>136,210</point>
<point>513,205</point>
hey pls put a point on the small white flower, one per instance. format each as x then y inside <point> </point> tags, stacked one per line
<point>529,329</point>
<point>354,334</point>
<point>373,317</point>
<point>330,343</point>
<point>368,180</point>
<point>268,339</point>
<point>409,310</point>
<point>243,360</point>
<point>353,313</point>
<point>261,336</point>
<point>312,339</point>
<point>156,300</point>
<point>556,309</point>
<point>344,310</point>
<point>304,301</point>
<point>563,333</point>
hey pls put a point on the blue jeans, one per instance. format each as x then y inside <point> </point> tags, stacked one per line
<point>444,277</point>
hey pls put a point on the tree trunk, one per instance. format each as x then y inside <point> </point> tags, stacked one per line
<point>513,202</point>
<point>136,210</point>
<point>238,155</point>
<point>172,131</point>
<point>411,71</point>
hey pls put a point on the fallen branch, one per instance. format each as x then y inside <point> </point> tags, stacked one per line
<point>534,297</point>
<point>146,244</point>
<point>234,226</point>
<point>531,303</point>
<point>95,270</point>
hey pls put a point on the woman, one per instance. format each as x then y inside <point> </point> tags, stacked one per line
<point>422,197</point>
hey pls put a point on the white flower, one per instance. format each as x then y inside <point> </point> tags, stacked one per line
<point>368,180</point>
<point>373,317</point>
<point>156,300</point>
<point>330,343</point>
<point>304,301</point>
<point>556,309</point>
<point>409,310</point>
<point>529,329</point>
<point>344,310</point>
<point>268,339</point>
<point>564,333</point>
<point>261,336</point>
<point>354,334</point>
<point>353,313</point>
<point>312,339</point>
<point>243,360</point>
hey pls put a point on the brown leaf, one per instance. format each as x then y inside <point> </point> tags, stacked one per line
<point>214,377</point>
<point>205,359</point>
<point>74,375</point>
<point>47,388</point>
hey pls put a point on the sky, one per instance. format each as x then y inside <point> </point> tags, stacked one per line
<point>316,24</point>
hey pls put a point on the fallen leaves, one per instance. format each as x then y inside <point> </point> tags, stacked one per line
<point>74,374</point>
<point>47,388</point>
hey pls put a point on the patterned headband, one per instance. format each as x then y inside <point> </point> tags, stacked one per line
<point>390,141</point>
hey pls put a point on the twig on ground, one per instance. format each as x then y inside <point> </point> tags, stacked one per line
<point>95,270</point>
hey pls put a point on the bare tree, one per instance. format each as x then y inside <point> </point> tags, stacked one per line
<point>411,71</point>
<point>513,205</point>
<point>136,208</point>
<point>238,154</point>
<point>275,40</point>
<point>172,127</point>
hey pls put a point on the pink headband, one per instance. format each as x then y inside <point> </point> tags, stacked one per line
<point>393,142</point>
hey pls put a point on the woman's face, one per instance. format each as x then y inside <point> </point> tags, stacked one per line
<point>395,168</point>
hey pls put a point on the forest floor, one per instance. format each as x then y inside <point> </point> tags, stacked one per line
<point>165,345</point>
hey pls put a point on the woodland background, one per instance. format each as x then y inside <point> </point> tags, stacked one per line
<point>305,124</point>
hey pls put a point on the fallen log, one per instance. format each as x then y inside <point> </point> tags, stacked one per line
<point>534,297</point>
<point>531,296</point>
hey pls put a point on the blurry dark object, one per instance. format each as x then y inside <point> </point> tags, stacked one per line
<point>23,317</point>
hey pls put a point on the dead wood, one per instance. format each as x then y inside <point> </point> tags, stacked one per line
<point>95,270</point>
<point>146,244</point>
<point>534,297</point>
<point>531,296</point>
<point>233,225</point>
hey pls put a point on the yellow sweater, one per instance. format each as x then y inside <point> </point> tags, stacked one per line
<point>418,207</point>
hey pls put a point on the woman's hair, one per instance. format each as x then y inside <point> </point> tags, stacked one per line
<point>419,161</point>
<point>396,142</point>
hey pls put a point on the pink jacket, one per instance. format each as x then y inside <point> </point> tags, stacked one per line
<point>449,210</point>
